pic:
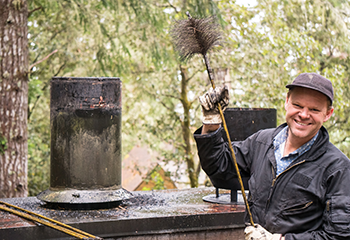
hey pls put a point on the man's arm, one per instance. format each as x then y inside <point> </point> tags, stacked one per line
<point>208,128</point>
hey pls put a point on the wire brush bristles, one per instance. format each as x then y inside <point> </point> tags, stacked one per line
<point>194,36</point>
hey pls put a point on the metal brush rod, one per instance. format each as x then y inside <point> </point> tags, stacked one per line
<point>47,221</point>
<point>195,36</point>
<point>229,141</point>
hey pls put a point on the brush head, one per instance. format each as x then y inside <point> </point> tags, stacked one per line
<point>193,36</point>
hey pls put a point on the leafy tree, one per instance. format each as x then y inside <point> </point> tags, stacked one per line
<point>314,36</point>
<point>128,39</point>
<point>157,101</point>
<point>265,48</point>
<point>277,40</point>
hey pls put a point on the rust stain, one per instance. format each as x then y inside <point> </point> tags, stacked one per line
<point>12,221</point>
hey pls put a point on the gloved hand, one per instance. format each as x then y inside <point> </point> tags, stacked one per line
<point>259,233</point>
<point>209,102</point>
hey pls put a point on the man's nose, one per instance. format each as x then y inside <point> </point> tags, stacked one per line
<point>304,113</point>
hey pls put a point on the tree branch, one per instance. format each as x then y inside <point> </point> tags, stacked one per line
<point>167,5</point>
<point>170,96</point>
<point>35,9</point>
<point>30,111</point>
<point>31,66</point>
<point>345,139</point>
<point>188,79</point>
<point>198,168</point>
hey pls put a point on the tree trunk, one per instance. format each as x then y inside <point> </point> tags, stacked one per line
<point>13,98</point>
<point>186,133</point>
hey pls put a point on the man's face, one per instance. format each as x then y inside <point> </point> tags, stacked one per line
<point>306,111</point>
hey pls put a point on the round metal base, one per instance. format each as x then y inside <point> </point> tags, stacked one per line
<point>224,198</point>
<point>74,196</point>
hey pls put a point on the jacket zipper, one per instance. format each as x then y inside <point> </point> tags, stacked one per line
<point>274,181</point>
<point>328,208</point>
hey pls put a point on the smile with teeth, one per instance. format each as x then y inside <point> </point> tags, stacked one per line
<point>300,123</point>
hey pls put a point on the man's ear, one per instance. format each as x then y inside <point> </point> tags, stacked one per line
<point>328,114</point>
<point>286,102</point>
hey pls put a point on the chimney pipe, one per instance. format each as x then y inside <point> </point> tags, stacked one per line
<point>85,118</point>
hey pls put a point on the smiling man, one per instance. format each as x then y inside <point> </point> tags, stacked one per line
<point>298,186</point>
<point>307,108</point>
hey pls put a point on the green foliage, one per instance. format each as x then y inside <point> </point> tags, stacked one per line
<point>314,38</point>
<point>39,144</point>
<point>126,39</point>
<point>155,177</point>
<point>265,48</point>
<point>3,144</point>
<point>38,164</point>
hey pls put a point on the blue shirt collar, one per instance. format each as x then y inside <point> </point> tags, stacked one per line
<point>282,136</point>
<point>279,142</point>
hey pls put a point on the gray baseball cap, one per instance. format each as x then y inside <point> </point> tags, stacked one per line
<point>314,81</point>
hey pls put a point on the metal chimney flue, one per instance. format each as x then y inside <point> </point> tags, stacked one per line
<point>85,118</point>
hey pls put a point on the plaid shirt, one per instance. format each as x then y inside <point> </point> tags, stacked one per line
<point>279,142</point>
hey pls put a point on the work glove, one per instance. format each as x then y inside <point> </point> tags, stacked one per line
<point>209,102</point>
<point>259,233</point>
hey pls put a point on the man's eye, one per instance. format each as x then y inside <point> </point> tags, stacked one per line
<point>296,105</point>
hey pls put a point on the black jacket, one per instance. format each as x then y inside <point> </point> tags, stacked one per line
<point>309,200</point>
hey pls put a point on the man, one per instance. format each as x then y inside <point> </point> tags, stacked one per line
<point>299,186</point>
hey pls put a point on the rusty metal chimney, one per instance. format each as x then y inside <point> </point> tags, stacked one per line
<point>85,117</point>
